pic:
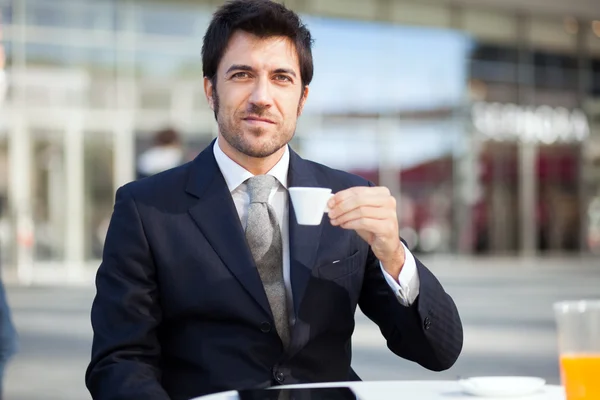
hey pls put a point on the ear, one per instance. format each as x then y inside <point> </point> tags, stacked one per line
<point>208,92</point>
<point>303,100</point>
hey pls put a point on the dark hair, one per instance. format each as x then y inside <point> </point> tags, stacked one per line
<point>263,18</point>
<point>166,137</point>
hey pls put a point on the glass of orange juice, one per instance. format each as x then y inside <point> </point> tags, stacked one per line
<point>578,328</point>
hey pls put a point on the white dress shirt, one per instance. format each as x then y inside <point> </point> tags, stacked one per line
<point>407,286</point>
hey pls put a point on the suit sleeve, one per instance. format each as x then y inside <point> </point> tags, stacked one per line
<point>125,313</point>
<point>428,332</point>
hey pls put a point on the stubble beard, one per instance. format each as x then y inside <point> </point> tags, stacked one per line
<point>234,136</point>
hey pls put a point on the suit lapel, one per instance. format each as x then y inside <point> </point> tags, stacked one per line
<point>304,240</point>
<point>216,216</point>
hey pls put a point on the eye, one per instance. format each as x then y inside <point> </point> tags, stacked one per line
<point>283,78</point>
<point>240,75</point>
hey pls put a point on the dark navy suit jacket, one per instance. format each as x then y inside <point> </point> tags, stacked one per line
<point>180,310</point>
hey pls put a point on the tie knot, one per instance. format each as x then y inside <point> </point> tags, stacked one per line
<point>259,188</point>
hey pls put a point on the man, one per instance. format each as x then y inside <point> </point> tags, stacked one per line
<point>208,283</point>
<point>165,153</point>
<point>8,336</point>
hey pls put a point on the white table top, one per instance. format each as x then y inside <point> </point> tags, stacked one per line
<point>422,390</point>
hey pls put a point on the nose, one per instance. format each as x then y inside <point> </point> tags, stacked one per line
<point>261,94</point>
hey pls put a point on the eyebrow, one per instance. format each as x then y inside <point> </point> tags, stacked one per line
<point>241,67</point>
<point>285,71</point>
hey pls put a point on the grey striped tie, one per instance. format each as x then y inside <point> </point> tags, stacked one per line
<point>264,239</point>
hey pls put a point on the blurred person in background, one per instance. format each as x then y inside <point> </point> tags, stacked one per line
<point>8,335</point>
<point>8,332</point>
<point>208,283</point>
<point>3,85</point>
<point>166,153</point>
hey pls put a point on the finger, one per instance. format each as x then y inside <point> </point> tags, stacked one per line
<point>365,200</point>
<point>378,227</point>
<point>363,212</point>
<point>360,191</point>
<point>355,202</point>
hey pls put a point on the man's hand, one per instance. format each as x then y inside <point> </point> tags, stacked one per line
<point>371,212</point>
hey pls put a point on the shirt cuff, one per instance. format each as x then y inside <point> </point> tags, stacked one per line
<point>406,288</point>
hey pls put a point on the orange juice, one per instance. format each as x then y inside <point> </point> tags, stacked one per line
<point>580,374</point>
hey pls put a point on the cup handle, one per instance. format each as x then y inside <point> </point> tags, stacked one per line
<point>326,207</point>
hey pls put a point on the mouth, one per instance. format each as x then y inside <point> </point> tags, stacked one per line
<point>258,120</point>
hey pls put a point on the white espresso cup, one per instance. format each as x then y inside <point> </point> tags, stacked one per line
<point>310,203</point>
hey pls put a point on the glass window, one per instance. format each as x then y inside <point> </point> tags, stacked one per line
<point>489,52</point>
<point>99,190</point>
<point>100,61</point>
<point>595,64</point>
<point>100,15</point>
<point>6,12</point>
<point>46,14</point>
<point>153,63</point>
<point>494,63</point>
<point>167,20</point>
<point>69,75</point>
<point>555,70</point>
<point>46,54</point>
<point>48,188</point>
<point>62,14</point>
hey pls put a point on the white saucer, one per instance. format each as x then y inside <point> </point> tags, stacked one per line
<point>502,386</point>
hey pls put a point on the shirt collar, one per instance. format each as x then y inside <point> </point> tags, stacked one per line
<point>235,174</point>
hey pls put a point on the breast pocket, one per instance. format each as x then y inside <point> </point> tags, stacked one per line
<point>342,268</point>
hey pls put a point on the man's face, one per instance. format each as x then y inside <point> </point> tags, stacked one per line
<point>257,94</point>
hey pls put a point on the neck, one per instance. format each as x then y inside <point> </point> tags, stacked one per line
<point>254,165</point>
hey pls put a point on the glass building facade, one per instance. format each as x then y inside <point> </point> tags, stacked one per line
<point>493,148</point>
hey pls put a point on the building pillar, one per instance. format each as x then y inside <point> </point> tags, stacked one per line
<point>20,159</point>
<point>528,185</point>
<point>74,151</point>
<point>584,80</point>
<point>123,150</point>
<point>20,196</point>
<point>126,98</point>
<point>528,196</point>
